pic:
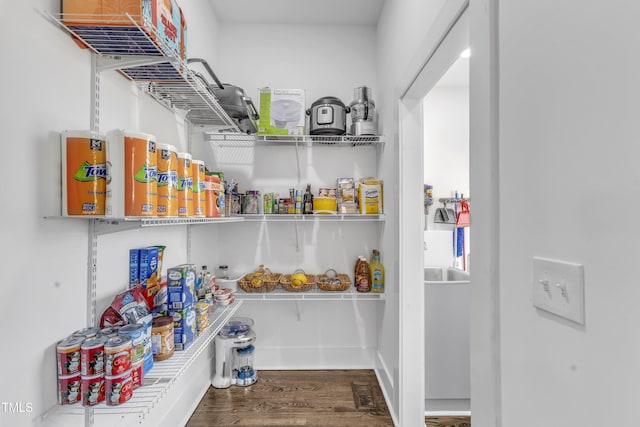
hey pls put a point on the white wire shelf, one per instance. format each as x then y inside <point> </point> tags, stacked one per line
<point>241,140</point>
<point>314,294</point>
<point>311,218</point>
<point>133,46</point>
<point>158,380</point>
<point>106,225</point>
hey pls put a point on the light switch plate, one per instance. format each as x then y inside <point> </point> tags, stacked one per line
<point>558,287</point>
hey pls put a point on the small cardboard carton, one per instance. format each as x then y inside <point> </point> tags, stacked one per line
<point>282,111</point>
<point>184,327</point>
<point>181,282</point>
<point>165,16</point>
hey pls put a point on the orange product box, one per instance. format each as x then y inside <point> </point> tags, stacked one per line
<point>166,17</point>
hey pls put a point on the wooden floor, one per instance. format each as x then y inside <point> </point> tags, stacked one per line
<point>304,398</point>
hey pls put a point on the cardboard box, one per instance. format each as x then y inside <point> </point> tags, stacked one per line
<point>282,111</point>
<point>370,197</point>
<point>87,16</point>
<point>184,327</point>
<point>148,274</point>
<point>134,267</point>
<point>181,286</point>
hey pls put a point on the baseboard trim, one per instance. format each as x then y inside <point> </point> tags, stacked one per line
<point>313,358</point>
<point>385,379</point>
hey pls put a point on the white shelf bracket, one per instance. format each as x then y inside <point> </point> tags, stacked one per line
<point>118,62</point>
<point>298,159</point>
<point>297,237</point>
<point>297,310</point>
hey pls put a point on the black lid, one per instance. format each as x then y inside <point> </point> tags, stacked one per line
<point>328,100</point>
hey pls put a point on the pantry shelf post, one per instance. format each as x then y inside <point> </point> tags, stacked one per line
<point>95,94</point>
<point>297,310</point>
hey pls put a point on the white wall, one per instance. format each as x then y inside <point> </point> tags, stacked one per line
<point>569,97</point>
<point>44,261</point>
<point>325,60</point>
<point>401,30</point>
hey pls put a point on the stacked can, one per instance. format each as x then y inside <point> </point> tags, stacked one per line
<point>202,316</point>
<point>136,332</point>
<point>86,333</point>
<point>118,379</point>
<point>93,367</point>
<point>68,359</point>
<point>109,331</point>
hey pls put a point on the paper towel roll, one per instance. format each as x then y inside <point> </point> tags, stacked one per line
<point>84,173</point>
<point>134,172</point>
<point>167,180</point>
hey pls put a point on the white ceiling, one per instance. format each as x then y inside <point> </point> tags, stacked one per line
<point>310,12</point>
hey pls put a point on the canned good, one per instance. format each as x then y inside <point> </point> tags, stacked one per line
<point>162,340</point>
<point>327,192</point>
<point>68,355</point>
<point>117,352</point>
<point>92,389</point>
<point>137,374</point>
<point>135,331</point>
<point>118,388</point>
<point>69,389</point>
<point>92,355</point>
<point>86,333</point>
<point>109,332</point>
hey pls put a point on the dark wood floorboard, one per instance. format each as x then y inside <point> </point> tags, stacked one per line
<point>302,398</point>
<point>448,421</point>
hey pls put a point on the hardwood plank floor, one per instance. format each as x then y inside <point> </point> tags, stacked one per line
<point>303,398</point>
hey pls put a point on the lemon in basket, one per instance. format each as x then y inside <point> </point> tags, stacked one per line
<point>298,279</point>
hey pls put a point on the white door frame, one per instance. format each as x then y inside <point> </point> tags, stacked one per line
<point>424,72</point>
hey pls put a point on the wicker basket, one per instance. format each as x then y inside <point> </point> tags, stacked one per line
<point>267,283</point>
<point>285,283</point>
<point>339,283</point>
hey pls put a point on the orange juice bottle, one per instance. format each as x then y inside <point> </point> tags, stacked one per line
<point>376,270</point>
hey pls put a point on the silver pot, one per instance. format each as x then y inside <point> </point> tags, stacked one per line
<point>328,116</point>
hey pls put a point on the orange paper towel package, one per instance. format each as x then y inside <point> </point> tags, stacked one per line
<point>84,173</point>
<point>133,161</point>
<point>167,180</point>
<point>199,197</point>
<point>185,185</point>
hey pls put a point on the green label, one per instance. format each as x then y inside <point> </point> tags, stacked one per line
<point>146,174</point>
<point>89,172</point>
